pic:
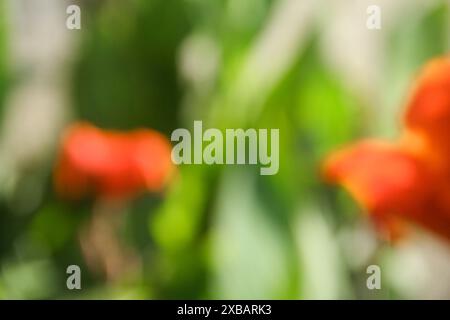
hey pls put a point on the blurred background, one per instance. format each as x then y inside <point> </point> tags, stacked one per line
<point>310,68</point>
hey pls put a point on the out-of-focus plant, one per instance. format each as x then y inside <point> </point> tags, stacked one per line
<point>113,168</point>
<point>216,231</point>
<point>408,180</point>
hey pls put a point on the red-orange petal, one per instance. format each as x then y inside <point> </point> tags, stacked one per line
<point>107,163</point>
<point>383,178</point>
<point>428,109</point>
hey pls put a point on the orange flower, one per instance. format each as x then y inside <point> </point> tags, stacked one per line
<point>408,180</point>
<point>111,164</point>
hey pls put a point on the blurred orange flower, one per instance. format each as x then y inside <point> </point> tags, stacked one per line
<point>407,180</point>
<point>111,164</point>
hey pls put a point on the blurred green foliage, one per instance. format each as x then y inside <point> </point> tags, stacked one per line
<point>217,232</point>
<point>3,59</point>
